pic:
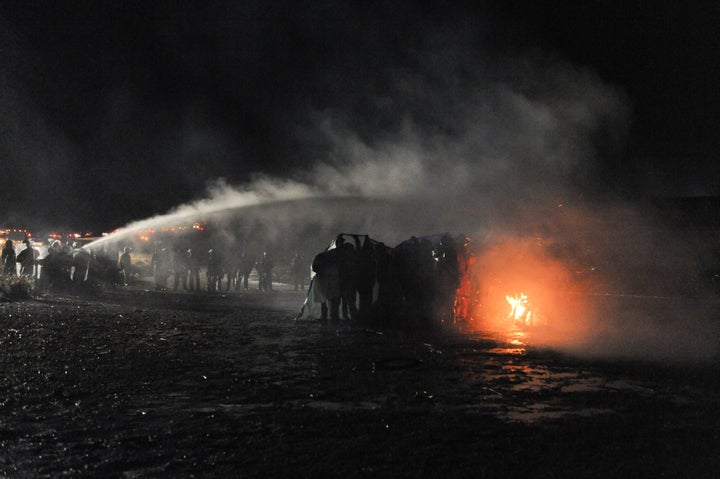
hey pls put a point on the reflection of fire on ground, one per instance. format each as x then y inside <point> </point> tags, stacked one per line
<point>518,283</point>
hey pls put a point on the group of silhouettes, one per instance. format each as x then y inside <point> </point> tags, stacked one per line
<point>27,259</point>
<point>64,263</point>
<point>223,272</point>
<point>357,278</point>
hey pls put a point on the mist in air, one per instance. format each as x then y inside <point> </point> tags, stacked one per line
<point>510,150</point>
<point>469,147</point>
<point>507,154</point>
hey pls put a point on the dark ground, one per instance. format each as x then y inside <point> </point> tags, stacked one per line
<point>144,384</point>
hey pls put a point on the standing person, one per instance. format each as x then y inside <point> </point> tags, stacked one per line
<point>214,271</point>
<point>193,272</point>
<point>161,265</point>
<point>297,268</point>
<point>265,269</point>
<point>178,267</point>
<point>447,279</point>
<point>9,259</point>
<point>389,282</point>
<point>52,267</point>
<point>124,265</point>
<point>365,263</point>
<point>424,271</point>
<point>155,261</point>
<point>247,263</point>
<point>79,263</point>
<point>231,271</point>
<point>259,269</point>
<point>28,259</point>
<point>327,284</point>
<point>347,274</point>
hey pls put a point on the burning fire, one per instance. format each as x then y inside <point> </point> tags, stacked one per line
<point>518,308</point>
<point>524,282</point>
<point>521,312</point>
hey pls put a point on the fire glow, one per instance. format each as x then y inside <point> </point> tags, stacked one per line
<point>519,283</point>
<point>521,311</point>
<point>518,308</point>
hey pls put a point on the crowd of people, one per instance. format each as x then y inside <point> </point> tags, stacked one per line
<point>181,269</point>
<point>64,262</point>
<point>172,267</point>
<point>27,259</point>
<point>357,278</point>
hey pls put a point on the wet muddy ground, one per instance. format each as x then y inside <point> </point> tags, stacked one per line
<point>137,384</point>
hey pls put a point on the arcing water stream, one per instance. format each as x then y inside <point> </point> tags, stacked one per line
<point>590,307</point>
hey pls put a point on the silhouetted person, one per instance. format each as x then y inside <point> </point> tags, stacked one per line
<point>265,269</point>
<point>79,263</point>
<point>364,274</point>
<point>406,259</point>
<point>103,267</point>
<point>28,259</point>
<point>67,250</point>
<point>424,269</point>
<point>327,284</point>
<point>54,267</point>
<point>9,259</point>
<point>178,268</point>
<point>298,269</point>
<point>161,265</point>
<point>247,263</point>
<point>347,277</point>
<point>191,282</point>
<point>447,279</point>
<point>125,265</point>
<point>390,291</point>
<point>214,271</point>
<point>231,271</point>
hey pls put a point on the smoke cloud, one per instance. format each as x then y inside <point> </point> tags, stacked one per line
<point>438,134</point>
<point>507,154</point>
<point>484,150</point>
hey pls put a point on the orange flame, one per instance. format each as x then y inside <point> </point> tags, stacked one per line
<point>518,308</point>
<point>545,294</point>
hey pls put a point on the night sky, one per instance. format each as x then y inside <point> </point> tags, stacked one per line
<point>116,111</point>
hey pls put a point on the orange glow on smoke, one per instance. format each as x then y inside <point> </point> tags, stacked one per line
<point>520,283</point>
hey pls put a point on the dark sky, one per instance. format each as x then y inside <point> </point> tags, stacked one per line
<point>115,111</point>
